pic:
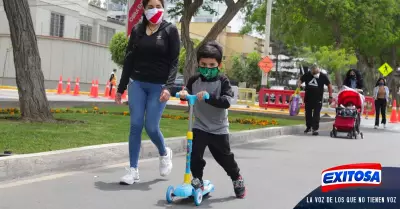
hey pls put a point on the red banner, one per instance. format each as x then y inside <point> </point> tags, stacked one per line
<point>134,15</point>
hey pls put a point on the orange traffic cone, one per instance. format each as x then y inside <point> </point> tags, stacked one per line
<point>107,91</point>
<point>68,89</point>
<point>393,116</point>
<point>113,92</point>
<point>76,89</point>
<point>96,88</point>
<point>398,115</point>
<point>60,86</point>
<point>124,95</point>
<point>92,89</point>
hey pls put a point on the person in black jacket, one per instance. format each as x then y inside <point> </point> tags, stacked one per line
<point>354,80</point>
<point>149,70</point>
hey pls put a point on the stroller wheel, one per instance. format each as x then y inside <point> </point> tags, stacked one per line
<point>362,135</point>
<point>331,134</point>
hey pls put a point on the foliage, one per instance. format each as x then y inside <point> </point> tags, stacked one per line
<point>182,55</point>
<point>330,58</point>
<point>246,69</point>
<point>117,47</point>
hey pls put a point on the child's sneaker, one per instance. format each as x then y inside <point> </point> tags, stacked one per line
<point>197,183</point>
<point>240,189</point>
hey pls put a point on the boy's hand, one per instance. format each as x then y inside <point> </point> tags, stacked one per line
<point>200,95</point>
<point>183,94</point>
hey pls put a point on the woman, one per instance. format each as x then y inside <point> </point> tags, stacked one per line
<point>354,80</point>
<point>381,96</point>
<point>149,70</point>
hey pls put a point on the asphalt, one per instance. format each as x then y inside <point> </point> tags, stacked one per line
<point>278,173</point>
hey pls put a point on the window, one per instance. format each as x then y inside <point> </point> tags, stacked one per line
<point>106,34</point>
<point>86,33</point>
<point>57,25</point>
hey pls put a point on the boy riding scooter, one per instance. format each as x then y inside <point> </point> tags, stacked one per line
<point>211,126</point>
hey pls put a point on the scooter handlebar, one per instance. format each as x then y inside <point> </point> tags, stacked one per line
<point>192,98</point>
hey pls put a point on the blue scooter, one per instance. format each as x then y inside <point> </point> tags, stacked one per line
<point>186,189</point>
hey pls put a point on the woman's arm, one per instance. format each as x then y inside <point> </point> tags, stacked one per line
<point>128,64</point>
<point>174,49</point>
<point>375,92</point>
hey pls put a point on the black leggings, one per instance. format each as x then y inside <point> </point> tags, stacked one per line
<point>380,108</point>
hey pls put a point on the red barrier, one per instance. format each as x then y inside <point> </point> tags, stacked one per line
<point>281,100</point>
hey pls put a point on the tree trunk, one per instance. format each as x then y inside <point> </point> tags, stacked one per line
<point>338,42</point>
<point>189,10</point>
<point>392,81</point>
<point>29,76</point>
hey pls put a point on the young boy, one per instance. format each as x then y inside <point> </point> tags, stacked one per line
<point>211,126</point>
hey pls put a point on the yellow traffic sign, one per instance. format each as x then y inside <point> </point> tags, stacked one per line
<point>385,69</point>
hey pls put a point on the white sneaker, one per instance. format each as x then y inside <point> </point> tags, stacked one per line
<point>166,163</point>
<point>384,125</point>
<point>131,177</point>
<point>375,127</point>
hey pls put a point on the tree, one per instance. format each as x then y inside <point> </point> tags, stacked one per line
<point>187,9</point>
<point>330,58</point>
<point>182,56</point>
<point>366,26</point>
<point>117,47</point>
<point>245,69</point>
<point>29,76</point>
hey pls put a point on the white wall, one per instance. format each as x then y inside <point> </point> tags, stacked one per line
<point>64,57</point>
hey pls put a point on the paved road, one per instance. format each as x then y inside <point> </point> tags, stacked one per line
<point>278,172</point>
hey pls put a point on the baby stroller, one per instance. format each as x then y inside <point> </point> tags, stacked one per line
<point>348,113</point>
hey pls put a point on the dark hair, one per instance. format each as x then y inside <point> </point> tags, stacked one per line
<point>377,82</point>
<point>145,22</point>
<point>360,82</point>
<point>210,49</point>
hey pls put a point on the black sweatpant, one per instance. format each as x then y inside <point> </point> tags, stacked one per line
<point>313,114</point>
<point>220,150</point>
<point>380,108</point>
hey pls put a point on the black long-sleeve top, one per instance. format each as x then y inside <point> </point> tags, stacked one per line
<point>152,59</point>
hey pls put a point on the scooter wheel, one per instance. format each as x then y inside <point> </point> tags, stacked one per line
<point>198,196</point>
<point>170,194</point>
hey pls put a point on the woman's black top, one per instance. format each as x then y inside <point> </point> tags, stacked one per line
<point>151,58</point>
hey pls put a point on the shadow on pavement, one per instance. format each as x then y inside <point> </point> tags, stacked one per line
<point>115,186</point>
<point>259,146</point>
<point>208,155</point>
<point>189,202</point>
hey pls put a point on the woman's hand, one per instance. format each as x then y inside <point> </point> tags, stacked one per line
<point>118,98</point>
<point>164,95</point>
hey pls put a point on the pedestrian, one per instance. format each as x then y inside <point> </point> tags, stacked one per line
<point>354,80</point>
<point>314,92</point>
<point>211,125</point>
<point>149,70</point>
<point>381,97</point>
<point>113,80</point>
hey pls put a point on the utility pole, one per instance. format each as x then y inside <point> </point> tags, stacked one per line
<point>264,79</point>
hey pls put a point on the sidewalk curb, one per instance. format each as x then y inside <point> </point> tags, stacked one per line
<point>20,166</point>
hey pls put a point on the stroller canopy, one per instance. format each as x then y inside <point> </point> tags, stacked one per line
<point>348,95</point>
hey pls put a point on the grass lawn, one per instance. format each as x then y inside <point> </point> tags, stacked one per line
<point>24,138</point>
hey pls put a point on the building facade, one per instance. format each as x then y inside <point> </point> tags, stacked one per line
<point>73,39</point>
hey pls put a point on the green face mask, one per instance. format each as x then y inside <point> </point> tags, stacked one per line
<point>208,73</point>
